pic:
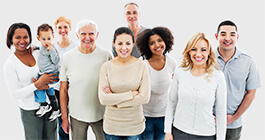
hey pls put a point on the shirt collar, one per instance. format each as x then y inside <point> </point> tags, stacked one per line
<point>235,56</point>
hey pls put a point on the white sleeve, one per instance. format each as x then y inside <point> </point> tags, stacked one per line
<point>220,107</point>
<point>172,103</point>
<point>15,88</point>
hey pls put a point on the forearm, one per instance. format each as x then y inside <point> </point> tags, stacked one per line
<point>64,99</point>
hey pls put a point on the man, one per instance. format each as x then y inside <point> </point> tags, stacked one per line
<point>241,76</point>
<point>132,14</point>
<point>79,77</point>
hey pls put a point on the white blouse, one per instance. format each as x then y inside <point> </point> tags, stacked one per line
<point>191,103</point>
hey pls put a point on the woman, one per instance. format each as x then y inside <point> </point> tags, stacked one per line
<point>153,45</point>
<point>197,89</point>
<point>124,87</point>
<point>19,70</point>
<point>63,27</point>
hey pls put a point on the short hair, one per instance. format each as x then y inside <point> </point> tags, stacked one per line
<point>131,3</point>
<point>211,63</point>
<point>11,32</point>
<point>224,23</point>
<point>85,22</point>
<point>143,39</point>
<point>45,28</point>
<point>123,30</point>
<point>63,19</point>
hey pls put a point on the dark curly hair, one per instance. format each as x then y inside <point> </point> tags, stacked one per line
<point>143,39</point>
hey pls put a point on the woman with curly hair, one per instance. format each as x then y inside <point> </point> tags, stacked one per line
<point>154,44</point>
<point>197,98</point>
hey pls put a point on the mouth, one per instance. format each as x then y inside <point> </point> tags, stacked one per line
<point>158,49</point>
<point>88,41</point>
<point>22,46</point>
<point>63,34</point>
<point>227,43</point>
<point>123,52</point>
<point>132,19</point>
<point>198,59</point>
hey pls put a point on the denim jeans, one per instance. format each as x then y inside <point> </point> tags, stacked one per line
<point>154,128</point>
<point>40,95</point>
<point>233,134</point>
<point>38,128</point>
<point>114,137</point>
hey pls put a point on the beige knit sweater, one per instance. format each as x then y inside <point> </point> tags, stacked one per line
<point>124,114</point>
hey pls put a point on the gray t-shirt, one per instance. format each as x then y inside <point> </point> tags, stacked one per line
<point>135,52</point>
<point>241,74</point>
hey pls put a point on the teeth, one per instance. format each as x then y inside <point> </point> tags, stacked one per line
<point>22,46</point>
<point>87,41</point>
<point>124,52</point>
<point>158,49</point>
<point>198,59</point>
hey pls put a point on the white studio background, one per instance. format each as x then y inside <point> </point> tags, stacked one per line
<point>182,17</point>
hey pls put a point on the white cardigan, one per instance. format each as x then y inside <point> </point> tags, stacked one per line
<point>191,103</point>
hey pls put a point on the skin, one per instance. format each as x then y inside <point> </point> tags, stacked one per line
<point>227,38</point>
<point>46,37</point>
<point>132,14</point>
<point>157,47</point>
<point>63,29</point>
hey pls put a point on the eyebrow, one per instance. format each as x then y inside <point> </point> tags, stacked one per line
<point>222,32</point>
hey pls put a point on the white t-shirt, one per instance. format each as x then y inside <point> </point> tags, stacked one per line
<point>160,82</point>
<point>82,73</point>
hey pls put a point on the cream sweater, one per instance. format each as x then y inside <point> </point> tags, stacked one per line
<point>124,114</point>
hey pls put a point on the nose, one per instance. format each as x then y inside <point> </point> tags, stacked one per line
<point>198,53</point>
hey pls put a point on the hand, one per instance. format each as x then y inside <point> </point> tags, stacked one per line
<point>48,78</point>
<point>168,136</point>
<point>107,89</point>
<point>230,119</point>
<point>49,47</point>
<point>134,93</point>
<point>66,126</point>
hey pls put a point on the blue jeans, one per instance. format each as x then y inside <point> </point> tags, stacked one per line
<point>154,128</point>
<point>38,128</point>
<point>40,95</point>
<point>114,137</point>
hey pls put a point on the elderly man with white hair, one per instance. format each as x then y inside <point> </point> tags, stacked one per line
<point>79,77</point>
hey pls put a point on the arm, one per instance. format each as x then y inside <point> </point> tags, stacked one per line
<point>114,51</point>
<point>55,58</point>
<point>249,97</point>
<point>63,104</point>
<point>144,91</point>
<point>107,98</point>
<point>220,107</point>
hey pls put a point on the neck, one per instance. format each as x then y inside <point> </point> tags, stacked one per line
<point>124,61</point>
<point>64,42</point>
<point>134,27</point>
<point>198,70</point>
<point>21,53</point>
<point>227,54</point>
<point>86,50</point>
<point>157,58</point>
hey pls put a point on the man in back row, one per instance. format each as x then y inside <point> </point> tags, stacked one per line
<point>241,74</point>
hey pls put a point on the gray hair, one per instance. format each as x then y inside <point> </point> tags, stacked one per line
<point>83,23</point>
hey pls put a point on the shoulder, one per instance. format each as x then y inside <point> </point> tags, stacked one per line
<point>171,60</point>
<point>103,51</point>
<point>218,74</point>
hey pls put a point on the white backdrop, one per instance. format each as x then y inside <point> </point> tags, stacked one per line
<point>183,18</point>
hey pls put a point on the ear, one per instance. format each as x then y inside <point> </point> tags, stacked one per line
<point>77,35</point>
<point>97,35</point>
<point>216,36</point>
<point>113,43</point>
<point>38,38</point>
<point>52,36</point>
<point>237,36</point>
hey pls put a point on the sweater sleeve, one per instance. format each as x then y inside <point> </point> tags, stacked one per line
<point>110,98</point>
<point>55,58</point>
<point>172,103</point>
<point>220,107</point>
<point>17,90</point>
<point>144,91</point>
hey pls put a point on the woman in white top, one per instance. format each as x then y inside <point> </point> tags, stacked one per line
<point>19,70</point>
<point>153,45</point>
<point>63,27</point>
<point>197,89</point>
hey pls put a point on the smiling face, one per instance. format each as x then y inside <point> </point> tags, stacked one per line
<point>156,44</point>
<point>46,37</point>
<point>199,53</point>
<point>123,45</point>
<point>131,14</point>
<point>63,29</point>
<point>87,36</point>
<point>20,39</point>
<point>227,37</point>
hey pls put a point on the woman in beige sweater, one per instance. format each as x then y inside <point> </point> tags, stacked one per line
<point>123,88</point>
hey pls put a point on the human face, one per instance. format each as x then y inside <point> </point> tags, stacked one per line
<point>227,37</point>
<point>156,44</point>
<point>123,45</point>
<point>87,36</point>
<point>63,29</point>
<point>45,38</point>
<point>199,53</point>
<point>131,14</point>
<point>20,39</point>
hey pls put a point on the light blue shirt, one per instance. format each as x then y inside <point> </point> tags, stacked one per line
<point>241,74</point>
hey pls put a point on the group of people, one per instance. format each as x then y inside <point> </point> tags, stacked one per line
<point>140,93</point>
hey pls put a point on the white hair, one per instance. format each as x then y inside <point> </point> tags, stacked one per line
<point>83,23</point>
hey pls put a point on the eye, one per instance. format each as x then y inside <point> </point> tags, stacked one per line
<point>193,49</point>
<point>128,13</point>
<point>204,49</point>
<point>18,37</point>
<point>59,27</point>
<point>128,43</point>
<point>83,33</point>
<point>120,43</point>
<point>151,43</point>
<point>65,27</point>
<point>223,34</point>
<point>160,40</point>
<point>49,38</point>
<point>91,33</point>
<point>135,12</point>
<point>26,37</point>
<point>43,39</point>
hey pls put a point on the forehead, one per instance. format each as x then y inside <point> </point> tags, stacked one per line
<point>124,37</point>
<point>131,7</point>
<point>201,43</point>
<point>62,23</point>
<point>46,33</point>
<point>227,29</point>
<point>154,37</point>
<point>88,28</point>
<point>21,31</point>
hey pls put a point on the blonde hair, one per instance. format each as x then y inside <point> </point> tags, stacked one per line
<point>63,19</point>
<point>187,63</point>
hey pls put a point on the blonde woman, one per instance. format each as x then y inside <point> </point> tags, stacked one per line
<point>198,90</point>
